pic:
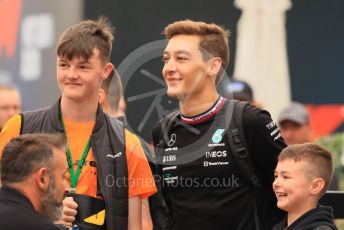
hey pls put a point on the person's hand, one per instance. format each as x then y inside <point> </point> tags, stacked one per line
<point>68,212</point>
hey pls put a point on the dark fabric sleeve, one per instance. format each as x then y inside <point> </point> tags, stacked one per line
<point>264,140</point>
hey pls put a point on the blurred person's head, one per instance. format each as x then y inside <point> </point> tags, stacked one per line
<point>111,95</point>
<point>10,104</point>
<point>240,90</point>
<point>36,166</point>
<point>294,124</point>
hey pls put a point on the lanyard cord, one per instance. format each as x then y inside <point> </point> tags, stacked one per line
<point>74,176</point>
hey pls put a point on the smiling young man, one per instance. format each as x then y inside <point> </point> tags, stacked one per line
<point>203,185</point>
<point>107,166</point>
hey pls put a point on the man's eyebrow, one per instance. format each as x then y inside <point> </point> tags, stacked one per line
<point>182,52</point>
<point>178,52</point>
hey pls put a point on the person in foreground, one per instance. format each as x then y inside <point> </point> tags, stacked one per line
<point>302,176</point>
<point>33,177</point>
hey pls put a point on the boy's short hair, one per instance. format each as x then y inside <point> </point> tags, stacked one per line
<point>81,39</point>
<point>214,39</point>
<point>319,160</point>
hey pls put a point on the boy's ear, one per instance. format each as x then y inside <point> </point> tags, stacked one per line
<point>215,64</point>
<point>317,186</point>
<point>107,70</point>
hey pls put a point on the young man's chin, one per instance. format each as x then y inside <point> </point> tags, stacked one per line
<point>173,94</point>
<point>74,97</point>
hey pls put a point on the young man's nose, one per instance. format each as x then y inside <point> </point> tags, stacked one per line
<point>169,66</point>
<point>72,73</point>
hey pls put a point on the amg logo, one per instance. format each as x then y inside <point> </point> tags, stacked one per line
<point>169,158</point>
<point>171,149</point>
<point>214,154</point>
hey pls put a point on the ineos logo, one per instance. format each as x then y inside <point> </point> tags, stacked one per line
<point>215,154</point>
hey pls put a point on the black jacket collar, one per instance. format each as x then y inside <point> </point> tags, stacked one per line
<point>15,196</point>
<point>319,216</point>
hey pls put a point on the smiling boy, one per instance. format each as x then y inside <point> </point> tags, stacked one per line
<point>302,176</point>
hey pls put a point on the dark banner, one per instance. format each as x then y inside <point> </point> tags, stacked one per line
<point>29,31</point>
